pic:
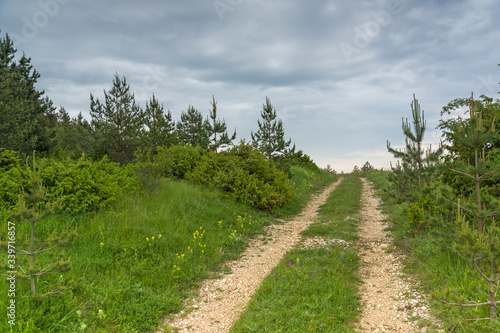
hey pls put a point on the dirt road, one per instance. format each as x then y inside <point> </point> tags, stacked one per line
<point>221,301</point>
<point>389,300</point>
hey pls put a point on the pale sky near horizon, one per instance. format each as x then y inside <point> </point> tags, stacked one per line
<point>341,74</point>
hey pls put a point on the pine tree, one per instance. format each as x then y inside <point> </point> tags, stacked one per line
<point>270,136</point>
<point>23,122</point>
<point>192,129</point>
<point>33,207</point>
<point>160,128</point>
<point>412,155</point>
<point>118,121</point>
<point>481,245</point>
<point>216,126</point>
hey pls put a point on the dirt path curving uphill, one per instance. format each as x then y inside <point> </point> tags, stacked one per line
<point>389,301</point>
<point>221,301</point>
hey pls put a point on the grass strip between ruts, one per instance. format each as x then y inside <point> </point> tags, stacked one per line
<point>313,289</point>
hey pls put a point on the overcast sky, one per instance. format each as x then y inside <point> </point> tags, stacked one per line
<point>341,74</point>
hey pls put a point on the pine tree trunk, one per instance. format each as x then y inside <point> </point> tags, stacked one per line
<point>478,195</point>
<point>32,259</point>
<point>493,301</point>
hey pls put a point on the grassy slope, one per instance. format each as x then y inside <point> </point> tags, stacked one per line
<point>126,280</point>
<point>313,290</point>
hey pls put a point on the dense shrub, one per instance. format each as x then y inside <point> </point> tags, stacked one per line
<point>12,177</point>
<point>171,162</point>
<point>85,185</point>
<point>298,158</point>
<point>78,186</point>
<point>246,174</point>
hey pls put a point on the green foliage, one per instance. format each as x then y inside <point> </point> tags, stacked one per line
<point>453,247</point>
<point>304,182</point>
<point>160,128</point>
<point>292,158</point>
<point>23,118</point>
<point>77,186</point>
<point>118,121</point>
<point>367,167</point>
<point>245,174</point>
<point>454,127</point>
<point>415,168</point>
<point>85,185</point>
<point>136,262</point>
<point>32,208</point>
<point>270,136</point>
<point>12,178</point>
<point>412,155</point>
<point>192,129</point>
<point>216,126</point>
<point>168,162</point>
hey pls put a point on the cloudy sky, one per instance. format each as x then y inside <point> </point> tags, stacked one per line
<point>341,74</point>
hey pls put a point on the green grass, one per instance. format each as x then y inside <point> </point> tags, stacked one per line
<point>443,274</point>
<point>313,290</point>
<point>137,262</point>
<point>124,280</point>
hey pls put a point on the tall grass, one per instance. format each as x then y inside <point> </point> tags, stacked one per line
<point>313,290</point>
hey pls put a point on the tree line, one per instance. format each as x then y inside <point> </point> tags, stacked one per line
<point>119,127</point>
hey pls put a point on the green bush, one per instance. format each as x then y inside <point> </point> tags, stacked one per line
<point>298,158</point>
<point>85,185</point>
<point>78,186</point>
<point>246,174</point>
<point>12,178</point>
<point>172,162</point>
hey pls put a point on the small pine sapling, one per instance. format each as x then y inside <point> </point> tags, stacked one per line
<point>33,207</point>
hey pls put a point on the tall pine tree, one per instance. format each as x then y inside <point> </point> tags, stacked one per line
<point>23,119</point>
<point>118,121</point>
<point>270,136</point>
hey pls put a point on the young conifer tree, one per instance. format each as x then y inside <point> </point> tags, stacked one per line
<point>192,129</point>
<point>33,206</point>
<point>160,128</point>
<point>216,126</point>
<point>270,136</point>
<point>414,133</point>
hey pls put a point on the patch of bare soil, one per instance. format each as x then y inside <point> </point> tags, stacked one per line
<point>390,302</point>
<point>221,301</point>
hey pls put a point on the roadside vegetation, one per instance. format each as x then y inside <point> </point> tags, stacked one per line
<point>443,208</point>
